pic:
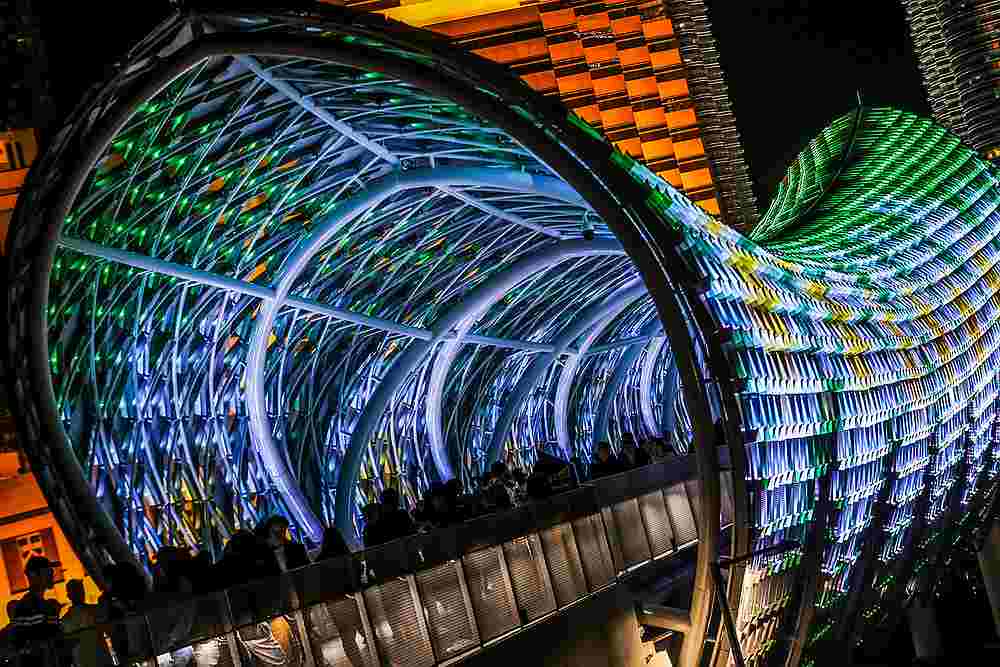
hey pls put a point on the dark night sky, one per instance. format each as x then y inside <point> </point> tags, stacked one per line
<point>791,66</point>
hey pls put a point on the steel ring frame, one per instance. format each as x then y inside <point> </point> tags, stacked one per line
<point>584,161</point>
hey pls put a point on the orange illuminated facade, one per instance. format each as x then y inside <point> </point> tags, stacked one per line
<point>27,526</point>
<point>641,72</point>
<point>18,149</point>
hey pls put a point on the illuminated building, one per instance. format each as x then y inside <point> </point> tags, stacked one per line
<point>27,524</point>
<point>958,46</point>
<point>322,254</point>
<point>629,69</point>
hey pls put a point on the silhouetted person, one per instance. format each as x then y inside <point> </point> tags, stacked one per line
<point>174,571</point>
<point>341,616</point>
<point>633,453</point>
<point>495,496</point>
<point>551,474</point>
<point>79,624</point>
<point>507,478</point>
<point>35,617</point>
<point>334,545</point>
<point>439,507</point>
<point>458,509</point>
<point>286,554</point>
<point>605,462</point>
<point>125,596</point>
<point>394,522</point>
<point>244,558</point>
<point>372,514</point>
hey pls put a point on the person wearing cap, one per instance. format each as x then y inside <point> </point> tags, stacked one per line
<point>35,618</point>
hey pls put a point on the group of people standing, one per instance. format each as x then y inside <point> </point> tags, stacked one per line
<point>500,488</point>
<point>92,635</point>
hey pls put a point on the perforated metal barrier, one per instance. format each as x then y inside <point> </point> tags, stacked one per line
<point>432,598</point>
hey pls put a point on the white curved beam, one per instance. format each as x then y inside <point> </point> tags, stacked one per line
<point>645,384</point>
<point>456,321</point>
<point>238,286</point>
<point>566,375</point>
<point>618,377</point>
<point>499,213</point>
<point>670,392</point>
<point>342,215</point>
<point>613,305</point>
<point>289,91</point>
<point>624,342</point>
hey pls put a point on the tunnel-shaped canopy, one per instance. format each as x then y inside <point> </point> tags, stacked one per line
<point>302,257</point>
<point>288,283</point>
<point>863,326</point>
<point>280,261</point>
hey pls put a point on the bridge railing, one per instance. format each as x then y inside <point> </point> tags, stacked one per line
<point>436,597</point>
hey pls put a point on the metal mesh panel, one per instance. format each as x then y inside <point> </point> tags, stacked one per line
<point>614,539</point>
<point>658,530</point>
<point>530,577</point>
<point>681,517</point>
<point>726,481</point>
<point>592,544</point>
<point>449,617</point>
<point>565,567</point>
<point>635,548</point>
<point>399,633</point>
<point>490,593</point>
<point>338,635</point>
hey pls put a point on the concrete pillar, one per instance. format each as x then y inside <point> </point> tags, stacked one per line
<point>989,565</point>
<point>924,631</point>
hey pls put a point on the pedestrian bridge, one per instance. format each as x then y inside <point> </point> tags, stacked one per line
<point>444,596</point>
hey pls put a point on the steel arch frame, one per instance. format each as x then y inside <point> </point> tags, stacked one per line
<point>589,319</point>
<point>459,320</point>
<point>580,159</point>
<point>260,427</point>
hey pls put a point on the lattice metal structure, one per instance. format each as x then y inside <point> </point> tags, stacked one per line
<point>869,373</point>
<point>643,72</point>
<point>281,260</point>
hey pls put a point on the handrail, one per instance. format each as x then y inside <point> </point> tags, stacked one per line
<point>440,596</point>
